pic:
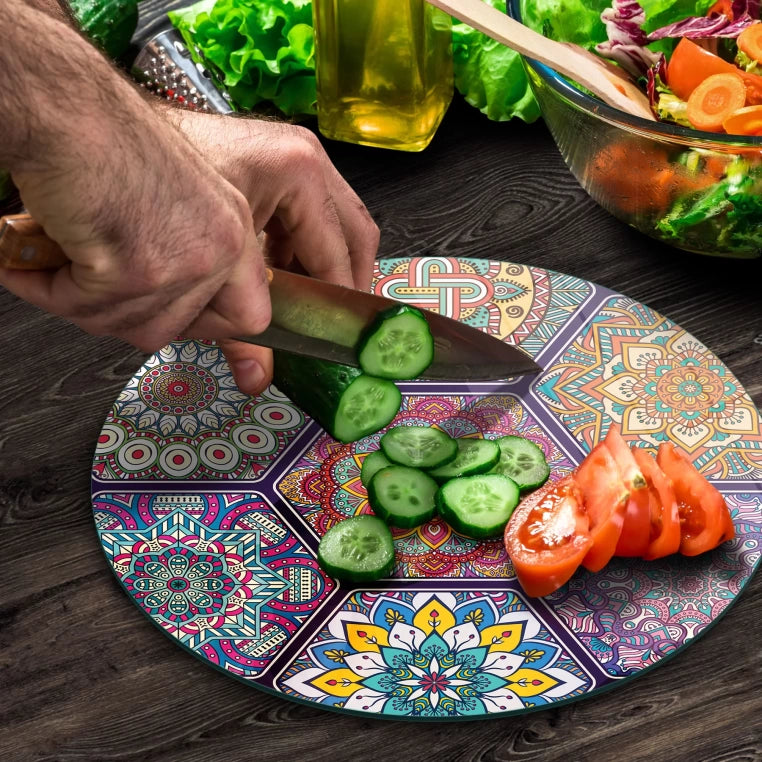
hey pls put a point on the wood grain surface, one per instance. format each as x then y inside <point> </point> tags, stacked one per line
<point>83,676</point>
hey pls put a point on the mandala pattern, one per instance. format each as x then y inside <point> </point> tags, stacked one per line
<point>231,574</point>
<point>632,613</point>
<point>182,417</point>
<point>521,305</point>
<point>221,573</point>
<point>636,368</point>
<point>434,655</point>
<point>325,485</point>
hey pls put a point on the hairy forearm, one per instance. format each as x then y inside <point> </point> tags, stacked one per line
<point>58,9</point>
<point>59,96</point>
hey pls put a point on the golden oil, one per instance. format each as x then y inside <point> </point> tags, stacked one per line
<point>384,71</point>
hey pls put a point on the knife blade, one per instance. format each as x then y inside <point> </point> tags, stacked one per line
<point>315,318</point>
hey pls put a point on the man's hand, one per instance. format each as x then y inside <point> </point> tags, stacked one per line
<point>161,221</point>
<point>312,220</point>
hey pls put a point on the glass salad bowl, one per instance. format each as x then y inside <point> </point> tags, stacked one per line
<point>696,191</point>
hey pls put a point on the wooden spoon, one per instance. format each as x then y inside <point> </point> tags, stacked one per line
<point>610,83</point>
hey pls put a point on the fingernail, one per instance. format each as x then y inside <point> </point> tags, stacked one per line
<point>249,376</point>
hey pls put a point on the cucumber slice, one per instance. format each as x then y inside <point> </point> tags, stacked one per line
<point>523,461</point>
<point>475,456</point>
<point>402,496</point>
<point>358,549</point>
<point>343,400</point>
<point>398,345</point>
<point>478,506</point>
<point>374,461</point>
<point>418,446</point>
<point>366,406</point>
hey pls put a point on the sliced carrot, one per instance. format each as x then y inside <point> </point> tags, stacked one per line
<point>690,64</point>
<point>724,7</point>
<point>716,98</point>
<point>652,181</point>
<point>745,121</point>
<point>750,41</point>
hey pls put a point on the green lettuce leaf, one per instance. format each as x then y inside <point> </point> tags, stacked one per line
<point>726,213</point>
<point>259,50</point>
<point>579,21</point>
<point>490,76</point>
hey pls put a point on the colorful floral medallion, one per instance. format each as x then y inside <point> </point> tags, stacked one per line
<point>182,417</point>
<point>210,505</point>
<point>434,655</point>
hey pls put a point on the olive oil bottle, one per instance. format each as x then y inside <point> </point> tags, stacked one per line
<point>384,71</point>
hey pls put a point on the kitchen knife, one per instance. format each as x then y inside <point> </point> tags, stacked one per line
<point>313,317</point>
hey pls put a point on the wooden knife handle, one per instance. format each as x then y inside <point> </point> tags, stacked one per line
<point>25,246</point>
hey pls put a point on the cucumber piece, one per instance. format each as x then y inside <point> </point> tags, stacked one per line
<point>475,456</point>
<point>402,496</point>
<point>397,345</point>
<point>343,400</point>
<point>357,549</point>
<point>478,506</point>
<point>418,446</point>
<point>110,24</point>
<point>374,461</point>
<point>523,461</point>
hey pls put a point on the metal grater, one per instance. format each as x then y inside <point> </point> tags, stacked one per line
<point>165,66</point>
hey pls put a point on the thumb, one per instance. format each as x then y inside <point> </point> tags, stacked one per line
<point>251,365</point>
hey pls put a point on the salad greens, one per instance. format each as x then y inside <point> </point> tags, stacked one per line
<point>491,76</point>
<point>727,212</point>
<point>696,196</point>
<point>259,50</point>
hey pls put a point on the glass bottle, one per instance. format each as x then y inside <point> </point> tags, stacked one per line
<point>384,71</point>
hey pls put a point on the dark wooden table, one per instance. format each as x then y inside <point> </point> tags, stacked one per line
<point>84,677</point>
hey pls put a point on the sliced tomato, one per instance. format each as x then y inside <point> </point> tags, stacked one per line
<point>664,519</point>
<point>605,498</point>
<point>636,529</point>
<point>703,511</point>
<point>548,536</point>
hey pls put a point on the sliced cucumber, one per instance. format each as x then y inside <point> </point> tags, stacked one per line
<point>418,446</point>
<point>366,406</point>
<point>523,461</point>
<point>475,456</point>
<point>374,461</point>
<point>402,496</point>
<point>343,400</point>
<point>358,549</point>
<point>398,345</point>
<point>478,506</point>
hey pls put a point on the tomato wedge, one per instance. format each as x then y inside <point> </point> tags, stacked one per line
<point>636,529</point>
<point>605,498</point>
<point>703,512</point>
<point>547,537</point>
<point>664,518</point>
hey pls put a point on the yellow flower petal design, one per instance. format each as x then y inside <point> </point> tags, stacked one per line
<point>338,682</point>
<point>434,615</point>
<point>502,637</point>
<point>366,636</point>
<point>530,682</point>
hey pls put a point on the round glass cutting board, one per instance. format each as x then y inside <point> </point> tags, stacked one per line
<point>209,505</point>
